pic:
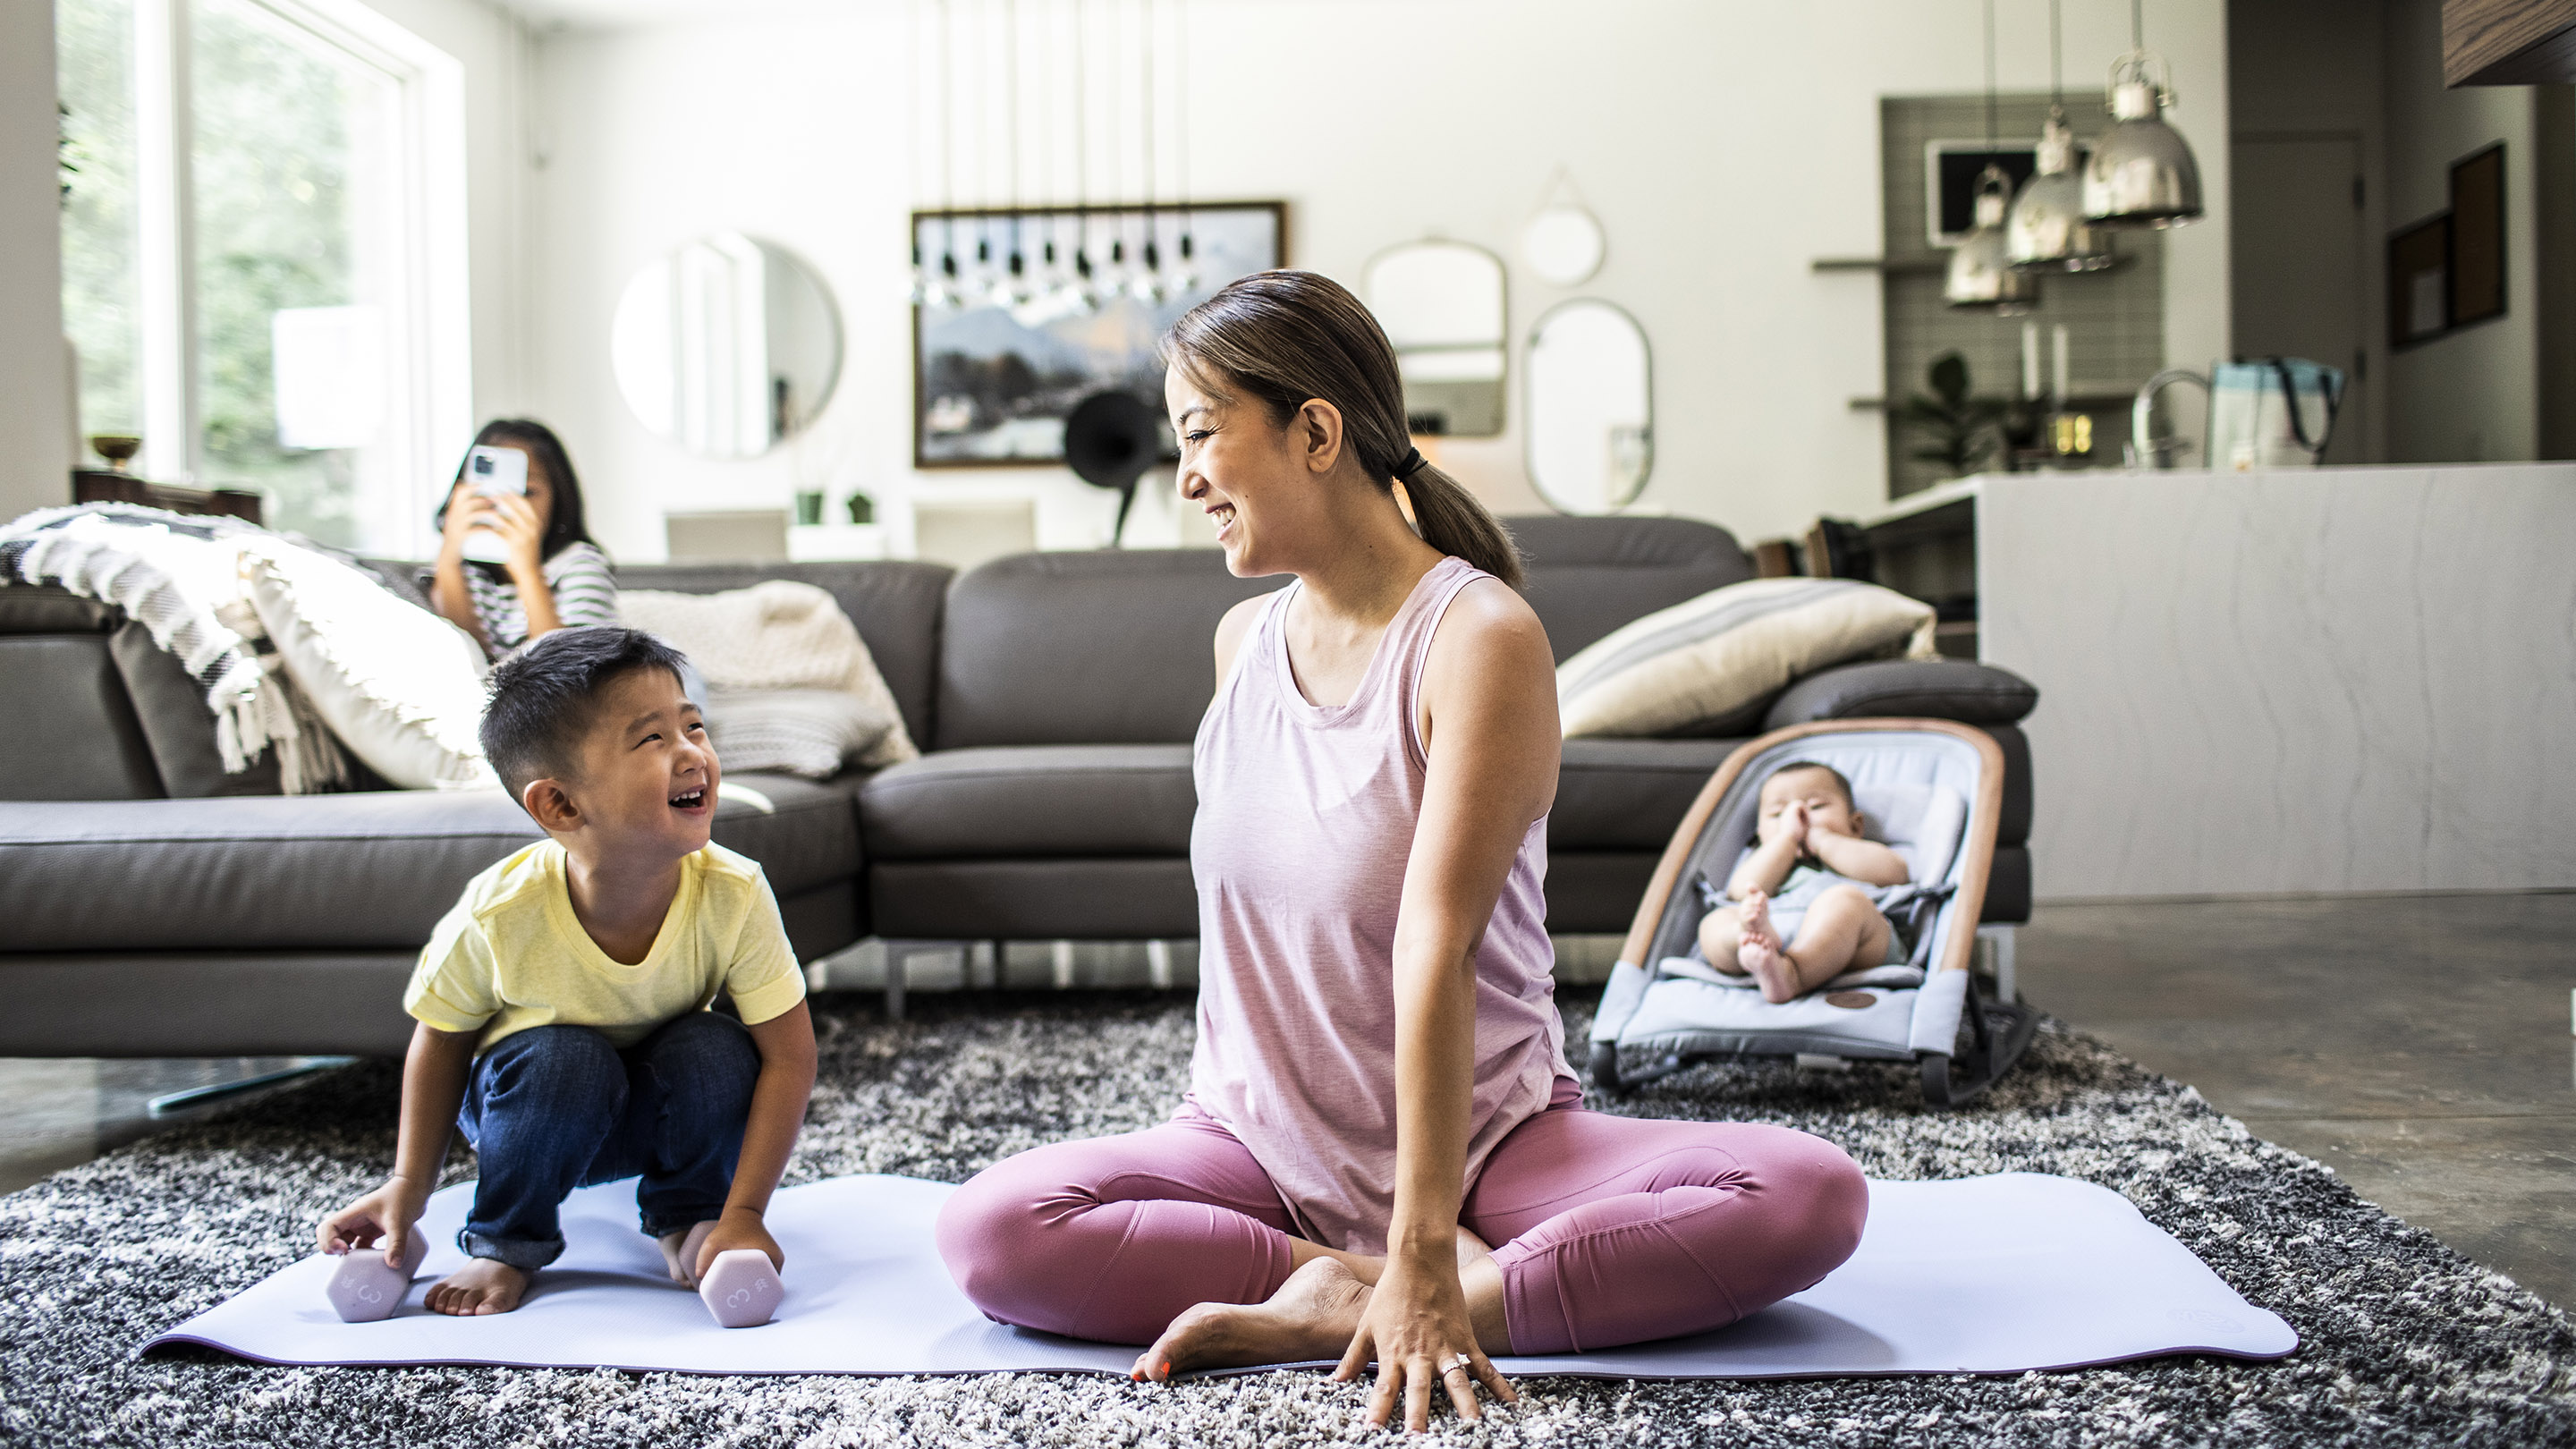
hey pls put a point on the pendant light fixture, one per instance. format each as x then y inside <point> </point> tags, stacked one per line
<point>2046,231</point>
<point>1981,276</point>
<point>1185,270</point>
<point>2141,174</point>
<point>1146,283</point>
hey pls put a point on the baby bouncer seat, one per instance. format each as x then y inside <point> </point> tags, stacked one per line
<point>1933,791</point>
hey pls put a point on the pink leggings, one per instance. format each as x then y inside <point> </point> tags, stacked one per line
<point>1610,1230</point>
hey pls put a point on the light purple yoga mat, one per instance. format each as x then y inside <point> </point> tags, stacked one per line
<point>1981,1275</point>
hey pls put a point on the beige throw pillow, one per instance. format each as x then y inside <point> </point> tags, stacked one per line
<point>400,686</point>
<point>1709,665</point>
<point>790,684</point>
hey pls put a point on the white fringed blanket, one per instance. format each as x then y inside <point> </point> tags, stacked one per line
<point>180,577</point>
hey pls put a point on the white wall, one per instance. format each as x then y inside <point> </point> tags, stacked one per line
<point>494,50</point>
<point>2473,396</point>
<point>35,391</point>
<point>1723,143</point>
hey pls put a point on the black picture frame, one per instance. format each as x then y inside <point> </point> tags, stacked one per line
<point>987,386</point>
<point>2419,275</point>
<point>2456,258</point>
<point>2477,283</point>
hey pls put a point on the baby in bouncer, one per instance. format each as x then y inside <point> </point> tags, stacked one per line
<point>1804,912</point>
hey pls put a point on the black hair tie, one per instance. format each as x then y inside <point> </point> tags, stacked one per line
<point>1413,463</point>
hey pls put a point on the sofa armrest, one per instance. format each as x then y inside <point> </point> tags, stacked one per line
<point>1952,689</point>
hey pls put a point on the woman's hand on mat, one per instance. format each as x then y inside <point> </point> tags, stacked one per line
<point>384,1217</point>
<point>740,1227</point>
<point>1416,1326</point>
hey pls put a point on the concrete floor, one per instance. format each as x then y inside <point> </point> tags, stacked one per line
<point>2420,1045</point>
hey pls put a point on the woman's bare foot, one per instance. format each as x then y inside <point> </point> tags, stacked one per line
<point>680,1252</point>
<point>483,1285</point>
<point>1761,954</point>
<point>1312,1316</point>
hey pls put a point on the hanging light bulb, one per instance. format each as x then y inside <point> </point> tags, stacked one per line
<point>2046,230</point>
<point>1981,274</point>
<point>1148,285</point>
<point>945,292</point>
<point>1082,289</point>
<point>2141,174</point>
<point>1981,277</point>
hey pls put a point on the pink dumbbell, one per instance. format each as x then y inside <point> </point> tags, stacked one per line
<point>741,1288</point>
<point>363,1289</point>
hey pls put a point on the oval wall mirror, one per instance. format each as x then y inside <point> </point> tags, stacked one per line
<point>1441,303</point>
<point>726,346</point>
<point>1590,407</point>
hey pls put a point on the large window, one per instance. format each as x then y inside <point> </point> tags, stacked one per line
<point>263,253</point>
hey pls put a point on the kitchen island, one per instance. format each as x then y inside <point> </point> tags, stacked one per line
<point>2316,680</point>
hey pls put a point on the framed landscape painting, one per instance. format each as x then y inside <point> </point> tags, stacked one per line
<point>999,362</point>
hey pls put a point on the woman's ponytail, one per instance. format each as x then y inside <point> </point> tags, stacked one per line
<point>1285,337</point>
<point>1452,521</point>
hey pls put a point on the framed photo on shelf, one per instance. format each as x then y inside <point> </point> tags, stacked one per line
<point>999,365</point>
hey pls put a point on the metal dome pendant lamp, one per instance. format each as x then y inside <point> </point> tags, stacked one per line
<point>2142,174</point>
<point>2047,230</point>
<point>1981,276</point>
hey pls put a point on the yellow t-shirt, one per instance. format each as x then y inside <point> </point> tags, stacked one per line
<point>511,954</point>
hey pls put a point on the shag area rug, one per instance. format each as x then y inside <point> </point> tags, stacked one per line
<point>2404,1341</point>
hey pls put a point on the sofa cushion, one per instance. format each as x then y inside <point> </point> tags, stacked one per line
<point>53,609</point>
<point>1094,898</point>
<point>1588,576</point>
<point>373,869</point>
<point>897,606</point>
<point>76,736</point>
<point>1015,802</point>
<point>1710,665</point>
<point>1956,689</point>
<point>1628,794</point>
<point>1113,647</point>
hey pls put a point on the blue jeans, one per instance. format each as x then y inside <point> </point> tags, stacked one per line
<point>554,1108</point>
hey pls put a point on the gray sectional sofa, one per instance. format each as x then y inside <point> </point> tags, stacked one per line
<point>150,907</point>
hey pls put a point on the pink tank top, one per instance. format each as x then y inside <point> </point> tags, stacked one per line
<point>1305,822</point>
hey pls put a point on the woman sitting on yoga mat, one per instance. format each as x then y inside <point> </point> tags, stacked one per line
<point>1383,1153</point>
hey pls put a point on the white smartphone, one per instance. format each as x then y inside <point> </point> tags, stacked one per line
<point>489,471</point>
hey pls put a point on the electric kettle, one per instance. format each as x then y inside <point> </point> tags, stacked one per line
<point>2264,412</point>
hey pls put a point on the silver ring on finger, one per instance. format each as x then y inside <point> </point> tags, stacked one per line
<point>1458,1364</point>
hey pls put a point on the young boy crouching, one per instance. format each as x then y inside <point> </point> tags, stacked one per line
<point>563,1002</point>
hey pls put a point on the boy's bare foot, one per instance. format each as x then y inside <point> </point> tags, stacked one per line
<point>483,1285</point>
<point>1760,951</point>
<point>680,1252</point>
<point>1312,1316</point>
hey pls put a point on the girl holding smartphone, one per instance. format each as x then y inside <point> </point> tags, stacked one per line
<point>548,575</point>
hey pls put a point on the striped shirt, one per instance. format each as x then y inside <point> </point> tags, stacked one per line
<point>577,575</point>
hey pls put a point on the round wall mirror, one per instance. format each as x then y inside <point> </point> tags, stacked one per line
<point>1441,303</point>
<point>726,346</point>
<point>1590,407</point>
<point>1563,244</point>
